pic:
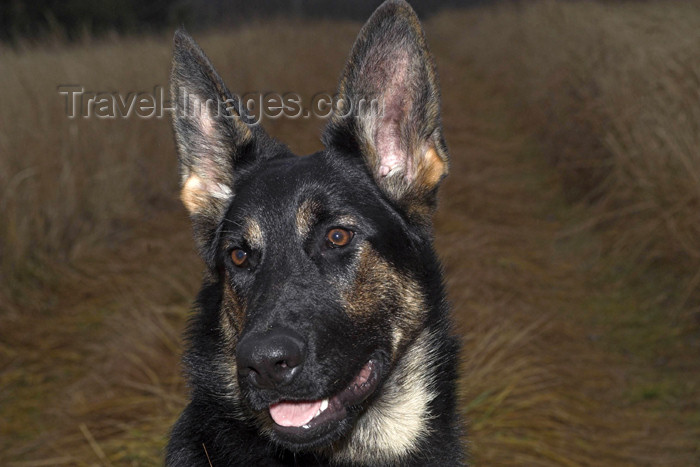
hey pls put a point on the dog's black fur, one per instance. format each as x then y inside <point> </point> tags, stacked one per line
<point>322,281</point>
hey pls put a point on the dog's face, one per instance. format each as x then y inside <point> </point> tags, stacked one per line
<point>322,264</point>
<point>319,296</point>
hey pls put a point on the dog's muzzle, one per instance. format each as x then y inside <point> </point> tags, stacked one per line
<point>271,360</point>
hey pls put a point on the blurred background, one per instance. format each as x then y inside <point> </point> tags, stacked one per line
<point>569,225</point>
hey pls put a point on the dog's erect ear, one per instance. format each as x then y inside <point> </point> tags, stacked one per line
<point>390,107</point>
<point>214,136</point>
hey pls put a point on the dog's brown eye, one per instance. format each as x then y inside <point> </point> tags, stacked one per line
<point>239,257</point>
<point>338,237</point>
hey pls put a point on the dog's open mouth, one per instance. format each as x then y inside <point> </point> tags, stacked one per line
<point>297,418</point>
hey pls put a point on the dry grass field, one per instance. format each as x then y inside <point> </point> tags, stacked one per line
<point>568,227</point>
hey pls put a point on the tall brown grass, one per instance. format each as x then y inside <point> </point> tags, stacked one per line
<point>68,185</point>
<point>613,90</point>
<point>98,268</point>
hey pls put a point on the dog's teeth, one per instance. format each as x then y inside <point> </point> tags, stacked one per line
<point>324,406</point>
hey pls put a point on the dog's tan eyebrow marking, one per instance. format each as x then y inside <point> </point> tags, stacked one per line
<point>307,212</point>
<point>253,233</point>
<point>346,220</point>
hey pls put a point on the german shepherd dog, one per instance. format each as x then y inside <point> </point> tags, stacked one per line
<point>321,335</point>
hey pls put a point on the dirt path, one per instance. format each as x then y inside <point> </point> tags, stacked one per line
<point>545,379</point>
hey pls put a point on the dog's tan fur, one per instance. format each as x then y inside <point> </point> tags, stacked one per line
<point>395,423</point>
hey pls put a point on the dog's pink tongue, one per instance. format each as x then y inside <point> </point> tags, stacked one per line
<point>294,413</point>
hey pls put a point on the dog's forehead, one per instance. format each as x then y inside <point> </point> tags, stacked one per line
<point>279,183</point>
<point>291,173</point>
<point>294,192</point>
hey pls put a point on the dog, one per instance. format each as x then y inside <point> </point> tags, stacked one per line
<point>321,335</point>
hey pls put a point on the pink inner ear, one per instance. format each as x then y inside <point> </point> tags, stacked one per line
<point>392,156</point>
<point>392,150</point>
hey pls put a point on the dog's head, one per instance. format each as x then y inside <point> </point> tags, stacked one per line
<point>320,266</point>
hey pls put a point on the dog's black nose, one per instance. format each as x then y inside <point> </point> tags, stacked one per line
<point>272,359</point>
